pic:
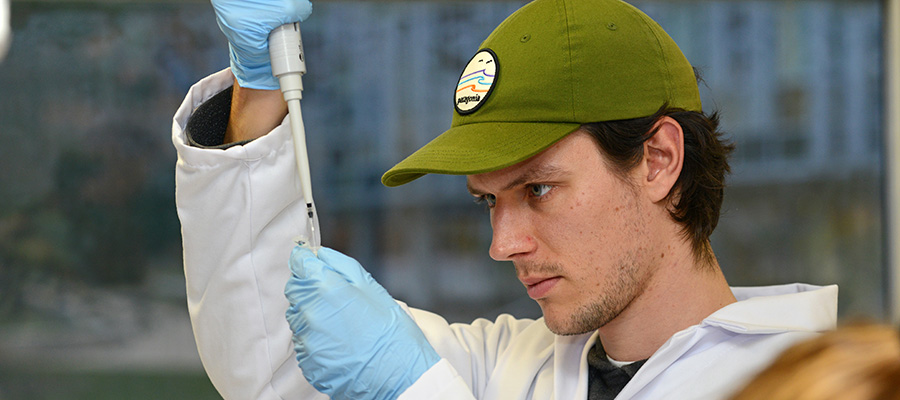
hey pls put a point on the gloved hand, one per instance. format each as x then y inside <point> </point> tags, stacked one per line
<point>247,24</point>
<point>353,341</point>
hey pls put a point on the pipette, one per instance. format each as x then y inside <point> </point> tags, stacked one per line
<point>288,65</point>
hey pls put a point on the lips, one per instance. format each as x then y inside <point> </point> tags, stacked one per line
<point>539,287</point>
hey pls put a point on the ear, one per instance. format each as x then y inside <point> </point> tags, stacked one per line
<point>663,158</point>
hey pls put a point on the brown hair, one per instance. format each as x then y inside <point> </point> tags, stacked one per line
<point>696,197</point>
<point>859,362</point>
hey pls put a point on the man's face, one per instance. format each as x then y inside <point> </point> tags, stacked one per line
<point>577,234</point>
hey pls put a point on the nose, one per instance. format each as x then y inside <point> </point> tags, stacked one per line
<point>512,236</point>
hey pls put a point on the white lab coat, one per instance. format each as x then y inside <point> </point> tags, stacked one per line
<point>240,209</point>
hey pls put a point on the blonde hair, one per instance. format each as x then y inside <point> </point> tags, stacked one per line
<point>856,362</point>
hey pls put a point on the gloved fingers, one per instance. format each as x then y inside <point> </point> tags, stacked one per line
<point>299,346</point>
<point>311,278</point>
<point>295,320</point>
<point>303,358</point>
<point>247,25</point>
<point>355,272</point>
<point>300,257</point>
<point>241,14</point>
<point>305,264</point>
<point>318,288</point>
<point>297,10</point>
<point>253,75</point>
<point>346,265</point>
<point>295,292</point>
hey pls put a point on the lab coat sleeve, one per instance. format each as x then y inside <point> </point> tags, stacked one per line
<point>440,382</point>
<point>474,350</point>
<point>240,209</point>
<point>239,213</point>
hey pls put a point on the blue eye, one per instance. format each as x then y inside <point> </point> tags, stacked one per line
<point>539,190</point>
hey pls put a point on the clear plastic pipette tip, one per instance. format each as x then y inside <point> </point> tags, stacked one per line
<point>312,238</point>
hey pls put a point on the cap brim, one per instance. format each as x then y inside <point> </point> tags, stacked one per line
<point>478,148</point>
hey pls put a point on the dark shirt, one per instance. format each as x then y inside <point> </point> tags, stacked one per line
<point>605,380</point>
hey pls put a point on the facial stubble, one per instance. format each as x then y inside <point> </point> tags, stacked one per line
<point>598,308</point>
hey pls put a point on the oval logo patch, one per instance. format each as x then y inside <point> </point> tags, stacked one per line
<point>476,82</point>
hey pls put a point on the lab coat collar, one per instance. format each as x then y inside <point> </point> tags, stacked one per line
<point>758,311</point>
<point>761,310</point>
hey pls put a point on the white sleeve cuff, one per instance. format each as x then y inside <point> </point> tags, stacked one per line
<point>440,382</point>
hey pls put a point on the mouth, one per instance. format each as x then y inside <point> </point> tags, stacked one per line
<point>539,288</point>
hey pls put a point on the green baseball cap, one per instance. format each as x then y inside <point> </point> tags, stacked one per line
<point>550,67</point>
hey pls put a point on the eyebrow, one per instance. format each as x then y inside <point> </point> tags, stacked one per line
<point>542,173</point>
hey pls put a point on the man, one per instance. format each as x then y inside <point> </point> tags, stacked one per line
<point>579,124</point>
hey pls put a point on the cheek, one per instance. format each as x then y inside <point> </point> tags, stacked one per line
<point>587,225</point>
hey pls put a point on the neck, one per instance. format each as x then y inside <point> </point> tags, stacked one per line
<point>679,294</point>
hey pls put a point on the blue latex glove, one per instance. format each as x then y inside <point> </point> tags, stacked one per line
<point>353,341</point>
<point>247,24</point>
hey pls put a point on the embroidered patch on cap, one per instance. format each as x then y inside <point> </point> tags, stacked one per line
<point>476,82</point>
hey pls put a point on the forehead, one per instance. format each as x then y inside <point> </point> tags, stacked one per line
<point>566,156</point>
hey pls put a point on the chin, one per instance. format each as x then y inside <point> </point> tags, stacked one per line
<point>567,331</point>
<point>581,320</point>
<point>566,327</point>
